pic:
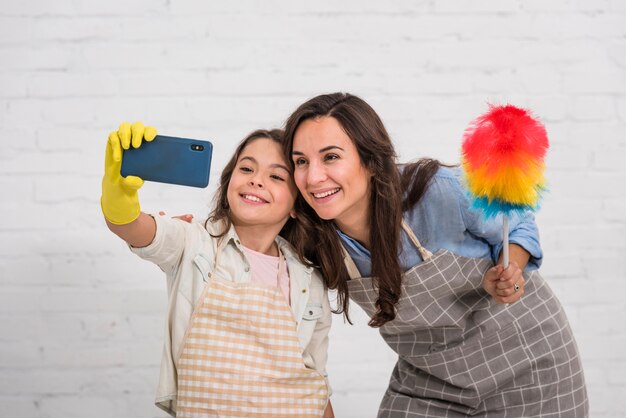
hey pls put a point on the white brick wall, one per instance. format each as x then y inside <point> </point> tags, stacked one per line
<point>82,318</point>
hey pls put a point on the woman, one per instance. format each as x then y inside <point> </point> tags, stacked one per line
<point>404,244</point>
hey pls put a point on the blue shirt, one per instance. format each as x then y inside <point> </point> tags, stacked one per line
<point>443,219</point>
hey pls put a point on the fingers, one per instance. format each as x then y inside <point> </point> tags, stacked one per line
<point>132,182</point>
<point>493,274</point>
<point>134,134</point>
<point>124,134</point>
<point>116,147</point>
<point>507,286</point>
<point>510,299</point>
<point>149,133</point>
<point>137,130</point>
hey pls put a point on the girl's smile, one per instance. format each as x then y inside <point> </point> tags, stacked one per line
<point>261,191</point>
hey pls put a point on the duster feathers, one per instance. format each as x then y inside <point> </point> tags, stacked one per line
<point>502,156</point>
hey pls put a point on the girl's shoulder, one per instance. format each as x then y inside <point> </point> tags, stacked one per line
<point>297,267</point>
<point>289,251</point>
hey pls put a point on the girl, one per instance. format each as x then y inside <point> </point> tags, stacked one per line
<point>405,246</point>
<point>247,327</point>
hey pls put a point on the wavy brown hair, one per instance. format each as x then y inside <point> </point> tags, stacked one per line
<point>221,212</point>
<point>391,194</point>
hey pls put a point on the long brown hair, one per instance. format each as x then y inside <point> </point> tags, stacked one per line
<point>318,240</point>
<point>221,212</point>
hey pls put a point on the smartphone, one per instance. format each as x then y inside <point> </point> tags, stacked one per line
<point>167,159</point>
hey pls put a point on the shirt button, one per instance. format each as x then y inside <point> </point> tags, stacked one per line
<point>247,269</point>
<point>310,312</point>
<point>303,290</point>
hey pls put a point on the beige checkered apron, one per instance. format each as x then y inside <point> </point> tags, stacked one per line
<point>241,357</point>
<point>461,354</point>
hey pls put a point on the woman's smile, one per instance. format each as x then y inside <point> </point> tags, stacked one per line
<point>329,172</point>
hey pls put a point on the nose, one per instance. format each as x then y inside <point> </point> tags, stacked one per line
<point>315,173</point>
<point>254,182</point>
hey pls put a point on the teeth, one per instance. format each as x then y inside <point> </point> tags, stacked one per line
<point>328,193</point>
<point>253,198</point>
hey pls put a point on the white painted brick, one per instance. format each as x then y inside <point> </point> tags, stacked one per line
<point>144,354</point>
<point>57,58</point>
<point>476,7</point>
<point>592,108</point>
<point>356,404</point>
<point>19,406</point>
<point>614,209</point>
<point>22,271</point>
<point>610,158</point>
<point>617,5</point>
<point>602,347</point>
<point>563,6</point>
<point>322,8</point>
<point>591,184</point>
<point>97,84</point>
<point>565,211</point>
<point>596,378</point>
<point>120,8</point>
<point>605,266</point>
<point>13,84</point>
<point>595,134</point>
<point>20,301</point>
<point>26,355</point>
<point>617,374</point>
<point>72,406</point>
<point>602,319</point>
<point>605,82</point>
<point>556,266</point>
<point>38,8</point>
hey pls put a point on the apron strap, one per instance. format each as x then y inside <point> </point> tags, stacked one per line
<point>424,253</point>
<point>353,271</point>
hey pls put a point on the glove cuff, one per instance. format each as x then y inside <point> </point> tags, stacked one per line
<point>120,217</point>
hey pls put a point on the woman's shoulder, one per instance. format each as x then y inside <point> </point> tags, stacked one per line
<point>447,181</point>
<point>452,172</point>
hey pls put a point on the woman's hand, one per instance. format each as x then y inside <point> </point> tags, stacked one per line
<point>187,217</point>
<point>504,285</point>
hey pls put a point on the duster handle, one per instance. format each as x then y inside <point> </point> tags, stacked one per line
<point>505,242</point>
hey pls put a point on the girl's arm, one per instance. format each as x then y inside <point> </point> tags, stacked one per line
<point>139,233</point>
<point>328,412</point>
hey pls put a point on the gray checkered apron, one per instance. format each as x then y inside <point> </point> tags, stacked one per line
<point>461,354</point>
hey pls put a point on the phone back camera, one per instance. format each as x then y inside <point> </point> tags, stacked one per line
<point>197,147</point>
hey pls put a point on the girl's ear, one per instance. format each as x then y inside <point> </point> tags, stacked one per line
<point>292,213</point>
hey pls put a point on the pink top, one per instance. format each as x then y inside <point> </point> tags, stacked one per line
<point>265,271</point>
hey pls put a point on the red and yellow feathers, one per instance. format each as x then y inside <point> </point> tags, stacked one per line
<point>503,158</point>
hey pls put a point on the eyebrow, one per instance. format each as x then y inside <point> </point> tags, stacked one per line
<point>284,167</point>
<point>328,148</point>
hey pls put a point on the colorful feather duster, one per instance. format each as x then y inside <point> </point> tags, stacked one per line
<point>502,156</point>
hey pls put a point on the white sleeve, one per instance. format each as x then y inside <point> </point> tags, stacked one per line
<point>166,249</point>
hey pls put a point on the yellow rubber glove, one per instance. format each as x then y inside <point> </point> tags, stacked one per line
<point>120,201</point>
